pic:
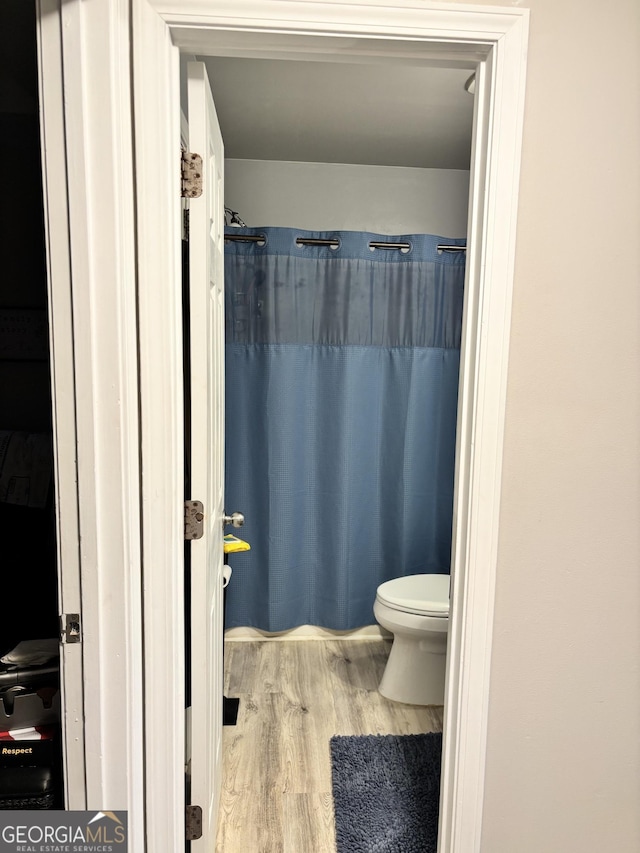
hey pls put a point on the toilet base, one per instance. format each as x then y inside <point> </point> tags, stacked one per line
<point>415,670</point>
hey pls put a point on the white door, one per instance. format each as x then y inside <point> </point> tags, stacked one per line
<point>206,316</point>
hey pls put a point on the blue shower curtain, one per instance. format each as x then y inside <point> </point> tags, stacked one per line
<point>341,395</point>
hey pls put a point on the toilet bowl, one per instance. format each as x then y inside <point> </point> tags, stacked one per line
<point>415,609</point>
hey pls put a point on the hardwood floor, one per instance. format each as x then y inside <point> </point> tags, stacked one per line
<point>294,695</point>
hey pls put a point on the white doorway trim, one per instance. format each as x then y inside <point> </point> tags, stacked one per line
<point>85,115</point>
<point>63,398</point>
<point>119,208</point>
<point>494,42</point>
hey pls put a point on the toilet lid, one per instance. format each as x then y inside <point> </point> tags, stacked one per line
<point>428,594</point>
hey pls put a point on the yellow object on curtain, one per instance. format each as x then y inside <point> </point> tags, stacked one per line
<point>232,544</point>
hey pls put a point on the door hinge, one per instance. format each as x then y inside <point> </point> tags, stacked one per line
<point>193,519</point>
<point>191,170</point>
<point>193,823</point>
<point>70,628</point>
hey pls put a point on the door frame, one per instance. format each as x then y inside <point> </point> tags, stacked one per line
<point>63,397</point>
<point>90,240</point>
<point>124,239</point>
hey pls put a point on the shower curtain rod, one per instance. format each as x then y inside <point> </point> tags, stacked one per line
<point>314,241</point>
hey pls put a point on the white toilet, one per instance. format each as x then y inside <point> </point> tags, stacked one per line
<point>415,609</point>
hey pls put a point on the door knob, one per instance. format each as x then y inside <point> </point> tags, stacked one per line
<point>236,519</point>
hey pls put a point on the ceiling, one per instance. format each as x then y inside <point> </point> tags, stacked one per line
<point>371,114</point>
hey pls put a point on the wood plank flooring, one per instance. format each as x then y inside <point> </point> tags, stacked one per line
<point>294,695</point>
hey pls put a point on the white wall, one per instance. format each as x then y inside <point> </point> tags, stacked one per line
<point>563,754</point>
<point>329,196</point>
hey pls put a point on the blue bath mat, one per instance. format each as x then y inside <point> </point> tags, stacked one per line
<point>386,791</point>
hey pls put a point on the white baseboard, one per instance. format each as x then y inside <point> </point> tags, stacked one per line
<point>306,632</point>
